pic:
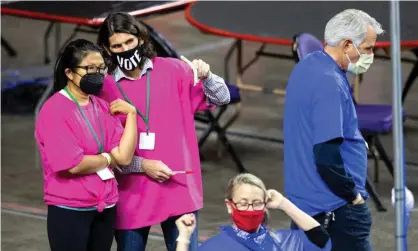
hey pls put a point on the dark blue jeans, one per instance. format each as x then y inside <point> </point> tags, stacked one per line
<point>350,230</point>
<point>136,239</point>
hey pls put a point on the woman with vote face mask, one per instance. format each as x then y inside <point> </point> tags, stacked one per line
<point>247,202</point>
<point>79,140</point>
<point>166,93</point>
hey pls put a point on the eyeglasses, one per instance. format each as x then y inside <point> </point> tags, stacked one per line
<point>244,206</point>
<point>91,69</point>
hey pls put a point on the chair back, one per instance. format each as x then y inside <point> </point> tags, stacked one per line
<point>304,44</point>
<point>234,92</point>
<point>161,45</point>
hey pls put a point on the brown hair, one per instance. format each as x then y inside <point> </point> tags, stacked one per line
<point>120,22</point>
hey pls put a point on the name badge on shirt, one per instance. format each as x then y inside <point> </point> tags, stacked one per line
<point>105,174</point>
<point>146,141</point>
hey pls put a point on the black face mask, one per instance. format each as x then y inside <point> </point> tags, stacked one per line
<point>92,83</point>
<point>130,59</point>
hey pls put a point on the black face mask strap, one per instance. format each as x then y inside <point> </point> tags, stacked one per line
<point>79,87</point>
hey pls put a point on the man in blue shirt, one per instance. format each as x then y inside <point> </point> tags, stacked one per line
<point>325,154</point>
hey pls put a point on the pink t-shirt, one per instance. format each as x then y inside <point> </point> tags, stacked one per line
<point>174,100</point>
<point>63,139</point>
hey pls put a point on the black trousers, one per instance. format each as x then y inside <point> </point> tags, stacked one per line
<point>70,230</point>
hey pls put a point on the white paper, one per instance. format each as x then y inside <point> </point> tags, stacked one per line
<point>105,174</point>
<point>146,141</point>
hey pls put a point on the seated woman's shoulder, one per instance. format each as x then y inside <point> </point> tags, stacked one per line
<point>221,242</point>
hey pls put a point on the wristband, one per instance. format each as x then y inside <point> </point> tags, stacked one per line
<point>183,240</point>
<point>108,158</point>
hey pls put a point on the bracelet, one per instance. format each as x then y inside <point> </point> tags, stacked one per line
<point>183,240</point>
<point>108,158</point>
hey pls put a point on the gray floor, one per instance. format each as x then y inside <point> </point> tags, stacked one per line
<point>23,221</point>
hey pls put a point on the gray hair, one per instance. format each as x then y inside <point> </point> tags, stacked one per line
<point>350,24</point>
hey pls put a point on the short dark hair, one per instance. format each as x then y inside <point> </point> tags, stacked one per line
<point>70,57</point>
<point>120,22</point>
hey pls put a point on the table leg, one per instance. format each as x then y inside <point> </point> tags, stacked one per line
<point>57,39</point>
<point>46,44</point>
<point>411,78</point>
<point>10,50</point>
<point>227,59</point>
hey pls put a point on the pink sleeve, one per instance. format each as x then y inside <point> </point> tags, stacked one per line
<point>107,92</point>
<point>116,130</point>
<point>57,144</point>
<point>194,93</point>
<point>113,126</point>
<point>199,99</point>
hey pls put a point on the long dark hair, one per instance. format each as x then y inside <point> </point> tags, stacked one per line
<point>120,22</point>
<point>70,57</point>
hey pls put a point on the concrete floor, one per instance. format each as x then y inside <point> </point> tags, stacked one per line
<point>23,212</point>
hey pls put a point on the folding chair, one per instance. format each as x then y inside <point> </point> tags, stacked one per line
<point>375,120</point>
<point>212,120</point>
<point>303,45</point>
<point>165,49</point>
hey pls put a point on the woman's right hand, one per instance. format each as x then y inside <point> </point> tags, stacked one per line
<point>186,224</point>
<point>121,106</point>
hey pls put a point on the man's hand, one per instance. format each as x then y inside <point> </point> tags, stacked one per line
<point>121,106</point>
<point>157,170</point>
<point>359,200</point>
<point>202,68</point>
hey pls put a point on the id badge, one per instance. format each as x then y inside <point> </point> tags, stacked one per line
<point>146,141</point>
<point>105,174</point>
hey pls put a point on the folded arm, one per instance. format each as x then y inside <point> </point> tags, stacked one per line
<point>330,166</point>
<point>125,151</point>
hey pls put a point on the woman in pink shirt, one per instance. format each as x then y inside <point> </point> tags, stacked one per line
<point>79,140</point>
<point>166,95</point>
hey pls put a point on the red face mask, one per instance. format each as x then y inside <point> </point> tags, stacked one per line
<point>249,221</point>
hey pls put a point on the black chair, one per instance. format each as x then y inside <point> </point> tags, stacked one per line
<point>211,119</point>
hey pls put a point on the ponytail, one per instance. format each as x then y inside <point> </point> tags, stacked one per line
<point>60,79</point>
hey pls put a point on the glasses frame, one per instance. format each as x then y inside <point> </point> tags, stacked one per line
<point>248,206</point>
<point>86,68</point>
